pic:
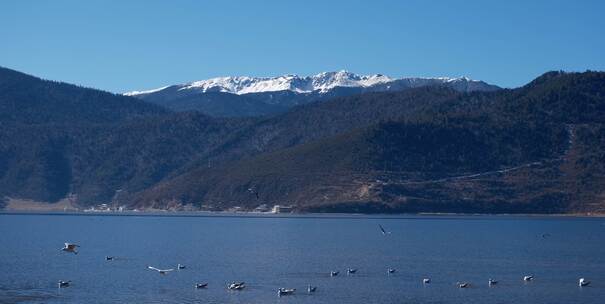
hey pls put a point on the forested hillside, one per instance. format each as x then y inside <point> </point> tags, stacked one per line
<point>539,148</point>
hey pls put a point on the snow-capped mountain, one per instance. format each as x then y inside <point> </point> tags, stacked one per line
<point>322,82</point>
<point>251,96</point>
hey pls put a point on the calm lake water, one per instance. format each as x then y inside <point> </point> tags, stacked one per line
<point>292,252</point>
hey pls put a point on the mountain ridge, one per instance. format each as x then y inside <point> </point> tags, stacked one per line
<point>322,82</point>
<point>538,149</point>
<point>261,96</point>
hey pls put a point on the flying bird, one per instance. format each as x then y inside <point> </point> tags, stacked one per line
<point>384,232</point>
<point>69,247</point>
<point>161,271</point>
<point>253,191</point>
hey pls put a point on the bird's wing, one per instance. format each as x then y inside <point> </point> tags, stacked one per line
<point>153,268</point>
<point>382,229</point>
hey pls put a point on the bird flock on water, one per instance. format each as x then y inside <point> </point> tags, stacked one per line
<point>72,248</point>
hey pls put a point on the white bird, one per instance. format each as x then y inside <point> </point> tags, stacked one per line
<point>583,282</point>
<point>236,286</point>
<point>69,247</point>
<point>201,285</point>
<point>463,285</point>
<point>311,289</point>
<point>391,270</point>
<point>334,273</point>
<point>528,278</point>
<point>491,282</point>
<point>351,270</point>
<point>179,266</point>
<point>161,271</point>
<point>285,291</point>
<point>426,281</point>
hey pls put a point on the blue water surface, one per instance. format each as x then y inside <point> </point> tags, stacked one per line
<point>295,251</point>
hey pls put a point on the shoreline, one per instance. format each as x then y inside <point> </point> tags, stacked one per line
<point>228,214</point>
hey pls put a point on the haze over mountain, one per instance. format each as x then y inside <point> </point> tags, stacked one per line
<point>254,96</point>
<point>539,148</point>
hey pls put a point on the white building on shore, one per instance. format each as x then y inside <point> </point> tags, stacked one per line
<point>282,209</point>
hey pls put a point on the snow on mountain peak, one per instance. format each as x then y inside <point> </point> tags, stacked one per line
<point>322,82</point>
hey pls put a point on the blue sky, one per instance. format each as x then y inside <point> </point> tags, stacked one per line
<point>130,45</point>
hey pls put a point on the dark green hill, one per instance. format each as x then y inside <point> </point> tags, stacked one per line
<point>30,100</point>
<point>46,163</point>
<point>538,149</point>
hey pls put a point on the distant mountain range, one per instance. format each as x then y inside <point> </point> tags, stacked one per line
<point>539,148</point>
<point>254,96</point>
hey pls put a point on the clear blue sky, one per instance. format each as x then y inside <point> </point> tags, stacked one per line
<point>127,45</point>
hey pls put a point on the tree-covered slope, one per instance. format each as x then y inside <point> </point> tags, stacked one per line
<point>539,148</point>
<point>533,149</point>
<point>30,100</point>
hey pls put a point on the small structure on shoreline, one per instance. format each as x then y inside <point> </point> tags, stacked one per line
<point>282,209</point>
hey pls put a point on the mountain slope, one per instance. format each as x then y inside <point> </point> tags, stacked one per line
<point>92,162</point>
<point>27,99</point>
<point>58,139</point>
<point>534,149</point>
<point>539,148</point>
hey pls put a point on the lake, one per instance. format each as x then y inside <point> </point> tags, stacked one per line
<point>269,252</point>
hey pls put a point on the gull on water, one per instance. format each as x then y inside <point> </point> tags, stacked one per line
<point>311,289</point>
<point>583,282</point>
<point>63,284</point>
<point>528,278</point>
<point>69,247</point>
<point>426,281</point>
<point>285,291</point>
<point>236,286</point>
